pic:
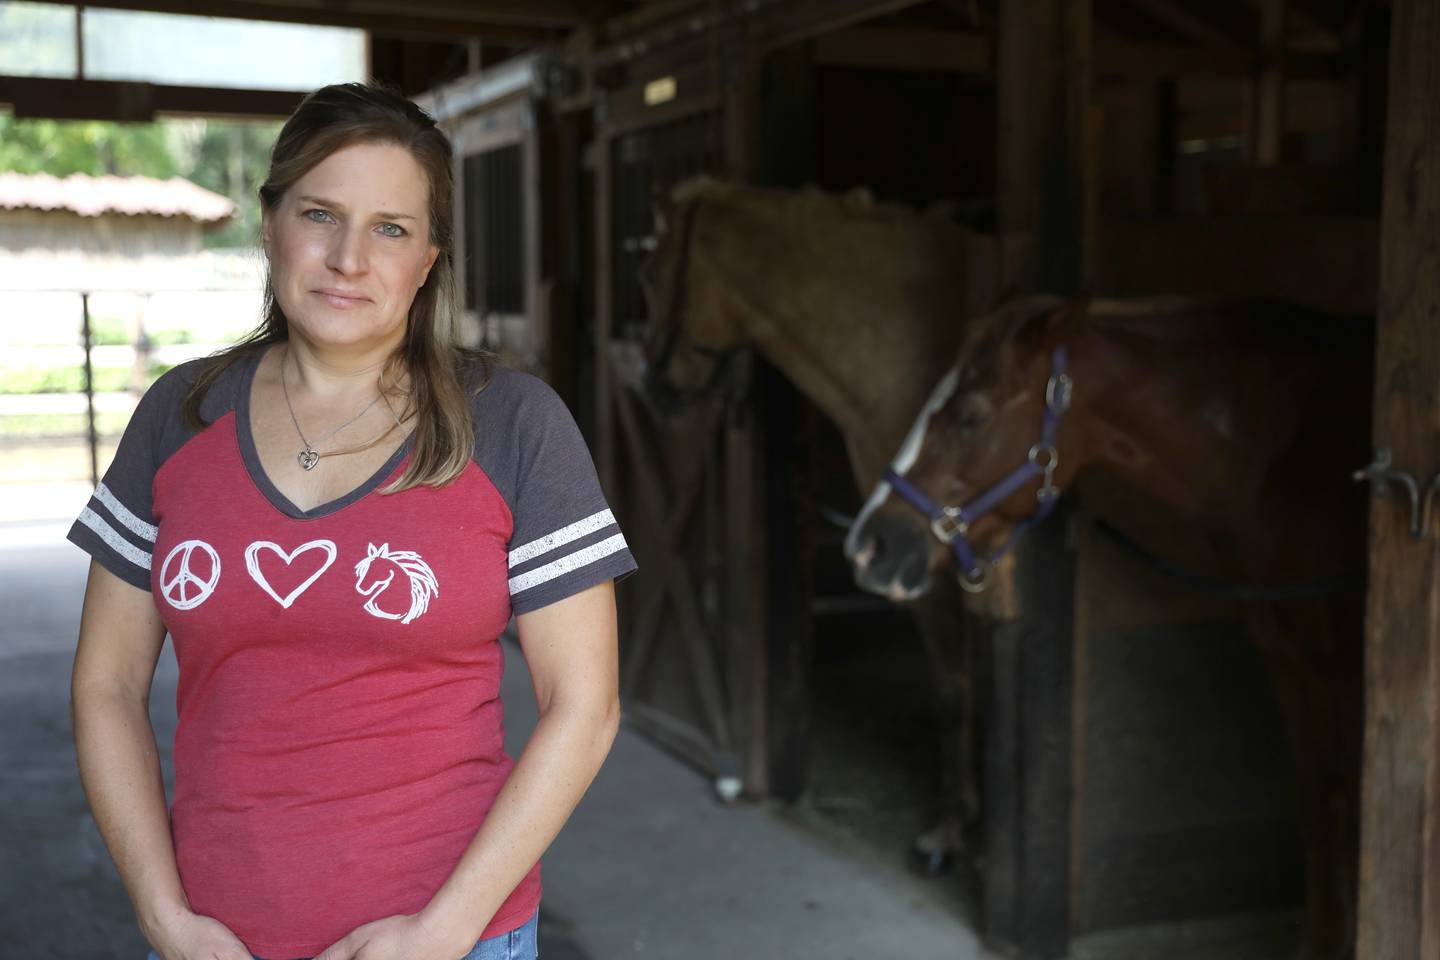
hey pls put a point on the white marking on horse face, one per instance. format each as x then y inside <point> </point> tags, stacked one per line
<point>905,459</point>
<point>898,593</point>
<point>910,449</point>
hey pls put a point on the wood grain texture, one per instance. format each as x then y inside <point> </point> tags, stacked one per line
<point>1400,849</point>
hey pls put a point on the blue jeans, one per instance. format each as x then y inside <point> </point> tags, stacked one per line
<point>519,944</point>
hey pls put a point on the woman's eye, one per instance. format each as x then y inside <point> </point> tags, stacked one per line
<point>316,215</point>
<point>392,230</point>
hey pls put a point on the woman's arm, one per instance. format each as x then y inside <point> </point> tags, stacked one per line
<point>570,649</point>
<point>121,636</point>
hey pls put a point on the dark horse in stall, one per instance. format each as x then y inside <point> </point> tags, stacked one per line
<point>855,302</point>
<point>1244,418</point>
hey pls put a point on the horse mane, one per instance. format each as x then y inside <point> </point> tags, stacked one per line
<point>417,569</point>
<point>1226,323</point>
<point>810,201</point>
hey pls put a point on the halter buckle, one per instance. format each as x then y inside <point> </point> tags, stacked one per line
<point>949,525</point>
<point>1058,392</point>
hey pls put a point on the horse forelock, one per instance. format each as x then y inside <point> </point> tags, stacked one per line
<point>987,352</point>
<point>806,203</point>
<point>699,187</point>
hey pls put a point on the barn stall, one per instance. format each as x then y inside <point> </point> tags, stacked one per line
<point>1121,148</point>
<point>1126,147</point>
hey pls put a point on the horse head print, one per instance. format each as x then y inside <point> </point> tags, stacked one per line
<point>422,581</point>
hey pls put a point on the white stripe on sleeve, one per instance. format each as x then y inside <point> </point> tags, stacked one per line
<point>123,514</point>
<point>560,537</point>
<point>562,566</point>
<point>114,540</point>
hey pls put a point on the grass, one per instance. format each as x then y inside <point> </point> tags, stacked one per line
<point>115,332</point>
<point>69,379</point>
<point>35,425</point>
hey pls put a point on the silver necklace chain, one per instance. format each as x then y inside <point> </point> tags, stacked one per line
<point>308,456</point>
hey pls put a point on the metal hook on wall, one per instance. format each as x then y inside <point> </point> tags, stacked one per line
<point>1381,475</point>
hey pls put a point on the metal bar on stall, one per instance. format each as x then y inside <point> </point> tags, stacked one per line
<point>89,391</point>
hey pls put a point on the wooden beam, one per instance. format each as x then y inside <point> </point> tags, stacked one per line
<point>1400,823</point>
<point>425,18</point>
<point>785,23</point>
<point>35,97</point>
<point>1046,76</point>
<point>1267,93</point>
<point>1181,20</point>
<point>1120,57</point>
<point>898,48</point>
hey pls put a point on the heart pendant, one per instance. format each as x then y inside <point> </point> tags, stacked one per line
<point>308,459</point>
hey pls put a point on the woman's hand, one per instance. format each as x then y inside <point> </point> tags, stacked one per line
<point>193,936</point>
<point>408,936</point>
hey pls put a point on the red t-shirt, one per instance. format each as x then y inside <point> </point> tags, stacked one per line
<point>340,733</point>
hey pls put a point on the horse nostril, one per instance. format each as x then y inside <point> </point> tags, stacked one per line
<point>868,552</point>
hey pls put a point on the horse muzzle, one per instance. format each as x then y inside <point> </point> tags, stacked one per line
<point>890,554</point>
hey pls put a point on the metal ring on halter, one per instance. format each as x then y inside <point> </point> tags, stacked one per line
<point>975,581</point>
<point>1058,393</point>
<point>957,525</point>
<point>1052,457</point>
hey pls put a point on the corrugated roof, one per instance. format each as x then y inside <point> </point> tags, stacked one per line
<point>132,196</point>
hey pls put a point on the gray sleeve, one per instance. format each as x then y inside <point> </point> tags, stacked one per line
<point>564,537</point>
<point>117,527</point>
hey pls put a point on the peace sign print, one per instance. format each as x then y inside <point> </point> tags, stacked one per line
<point>187,580</point>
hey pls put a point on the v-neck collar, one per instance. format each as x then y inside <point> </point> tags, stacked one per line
<point>248,453</point>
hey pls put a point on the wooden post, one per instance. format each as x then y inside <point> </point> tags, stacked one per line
<point>1045,114</point>
<point>1267,131</point>
<point>1046,191</point>
<point>1400,824</point>
<point>605,436</point>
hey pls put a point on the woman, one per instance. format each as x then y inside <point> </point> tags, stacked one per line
<point>334,520</point>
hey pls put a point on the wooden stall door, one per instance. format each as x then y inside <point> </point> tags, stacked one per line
<point>680,477</point>
<point>684,484</point>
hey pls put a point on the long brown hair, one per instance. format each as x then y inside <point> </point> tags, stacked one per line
<point>442,371</point>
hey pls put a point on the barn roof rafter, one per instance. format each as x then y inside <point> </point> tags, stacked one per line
<point>520,19</point>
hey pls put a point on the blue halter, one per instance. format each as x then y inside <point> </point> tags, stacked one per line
<point>951,524</point>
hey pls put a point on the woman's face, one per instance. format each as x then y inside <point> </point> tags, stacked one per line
<point>349,246</point>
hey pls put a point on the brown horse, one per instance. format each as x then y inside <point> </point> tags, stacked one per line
<point>855,302</point>
<point>1245,419</point>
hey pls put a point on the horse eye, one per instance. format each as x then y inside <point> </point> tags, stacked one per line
<point>974,411</point>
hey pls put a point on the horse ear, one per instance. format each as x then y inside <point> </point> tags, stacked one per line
<point>372,551</point>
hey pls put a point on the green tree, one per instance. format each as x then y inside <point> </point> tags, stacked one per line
<point>232,158</point>
<point>228,157</point>
<point>63,147</point>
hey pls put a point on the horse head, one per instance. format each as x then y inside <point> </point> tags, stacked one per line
<point>689,335</point>
<point>377,584</point>
<point>984,458</point>
<point>421,579</point>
